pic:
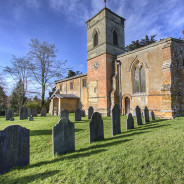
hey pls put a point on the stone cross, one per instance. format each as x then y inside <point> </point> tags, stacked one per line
<point>130,122</point>
<point>63,136</point>
<point>152,115</point>
<point>23,113</point>
<point>43,112</point>
<point>138,115</point>
<point>96,130</point>
<point>90,112</point>
<point>116,125</point>
<point>64,114</point>
<point>146,115</point>
<point>78,115</point>
<point>14,147</point>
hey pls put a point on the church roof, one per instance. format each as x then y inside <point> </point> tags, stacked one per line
<point>71,96</point>
<point>69,78</point>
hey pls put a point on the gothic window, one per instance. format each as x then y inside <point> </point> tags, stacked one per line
<point>61,88</point>
<point>139,82</point>
<point>115,38</point>
<point>71,85</point>
<point>95,39</point>
<point>84,83</point>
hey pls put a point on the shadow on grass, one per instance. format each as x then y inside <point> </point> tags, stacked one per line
<point>65,157</point>
<point>47,132</point>
<point>31,178</point>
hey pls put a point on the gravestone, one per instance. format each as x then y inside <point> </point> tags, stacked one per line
<point>31,118</point>
<point>146,115</point>
<point>130,122</point>
<point>9,114</point>
<point>90,112</point>
<point>29,112</point>
<point>43,112</point>
<point>64,114</point>
<point>12,119</point>
<point>78,115</point>
<point>138,115</point>
<point>152,115</point>
<point>34,112</point>
<point>23,113</point>
<point>83,114</point>
<point>96,130</point>
<point>63,136</point>
<point>14,147</point>
<point>116,126</point>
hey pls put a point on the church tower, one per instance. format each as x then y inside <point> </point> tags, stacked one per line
<point>105,40</point>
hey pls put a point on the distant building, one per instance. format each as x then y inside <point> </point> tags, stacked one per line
<point>150,76</point>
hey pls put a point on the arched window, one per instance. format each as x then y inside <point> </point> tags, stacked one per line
<point>139,82</point>
<point>115,38</point>
<point>95,39</point>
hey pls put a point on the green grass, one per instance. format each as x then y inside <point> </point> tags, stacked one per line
<point>152,153</point>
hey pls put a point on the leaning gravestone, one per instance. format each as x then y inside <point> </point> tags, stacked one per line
<point>9,114</point>
<point>12,119</point>
<point>34,112</point>
<point>146,115</point>
<point>43,112</point>
<point>14,147</point>
<point>31,118</point>
<point>116,126</point>
<point>64,114</point>
<point>138,115</point>
<point>90,112</point>
<point>83,114</point>
<point>23,113</point>
<point>152,115</point>
<point>29,112</point>
<point>96,130</point>
<point>63,136</point>
<point>78,115</point>
<point>130,122</point>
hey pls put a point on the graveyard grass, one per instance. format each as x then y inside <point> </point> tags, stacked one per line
<point>151,153</point>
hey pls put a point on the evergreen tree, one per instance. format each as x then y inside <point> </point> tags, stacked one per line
<point>18,98</point>
<point>3,99</point>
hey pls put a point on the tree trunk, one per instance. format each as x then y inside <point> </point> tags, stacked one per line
<point>43,88</point>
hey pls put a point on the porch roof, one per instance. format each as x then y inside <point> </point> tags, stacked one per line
<point>70,96</point>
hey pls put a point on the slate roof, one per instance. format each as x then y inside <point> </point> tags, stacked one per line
<point>71,96</point>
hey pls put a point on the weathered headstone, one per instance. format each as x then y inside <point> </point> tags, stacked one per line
<point>31,118</point>
<point>152,115</point>
<point>138,115</point>
<point>83,114</point>
<point>14,147</point>
<point>12,119</point>
<point>146,115</point>
<point>90,112</point>
<point>9,114</point>
<point>64,114</point>
<point>23,113</point>
<point>34,112</point>
<point>78,115</point>
<point>116,125</point>
<point>130,122</point>
<point>63,136</point>
<point>96,130</point>
<point>29,112</point>
<point>43,112</point>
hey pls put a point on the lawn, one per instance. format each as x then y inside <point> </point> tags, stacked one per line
<point>151,153</point>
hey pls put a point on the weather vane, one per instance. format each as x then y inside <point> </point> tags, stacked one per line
<point>105,2</point>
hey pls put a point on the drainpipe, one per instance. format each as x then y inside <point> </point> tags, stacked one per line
<point>119,68</point>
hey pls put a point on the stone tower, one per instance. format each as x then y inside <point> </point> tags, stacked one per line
<point>105,40</point>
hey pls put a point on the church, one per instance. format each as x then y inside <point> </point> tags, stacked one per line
<point>151,76</point>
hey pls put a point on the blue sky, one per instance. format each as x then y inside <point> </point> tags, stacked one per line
<point>63,22</point>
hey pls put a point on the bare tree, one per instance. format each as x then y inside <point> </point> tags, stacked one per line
<point>19,71</point>
<point>43,64</point>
